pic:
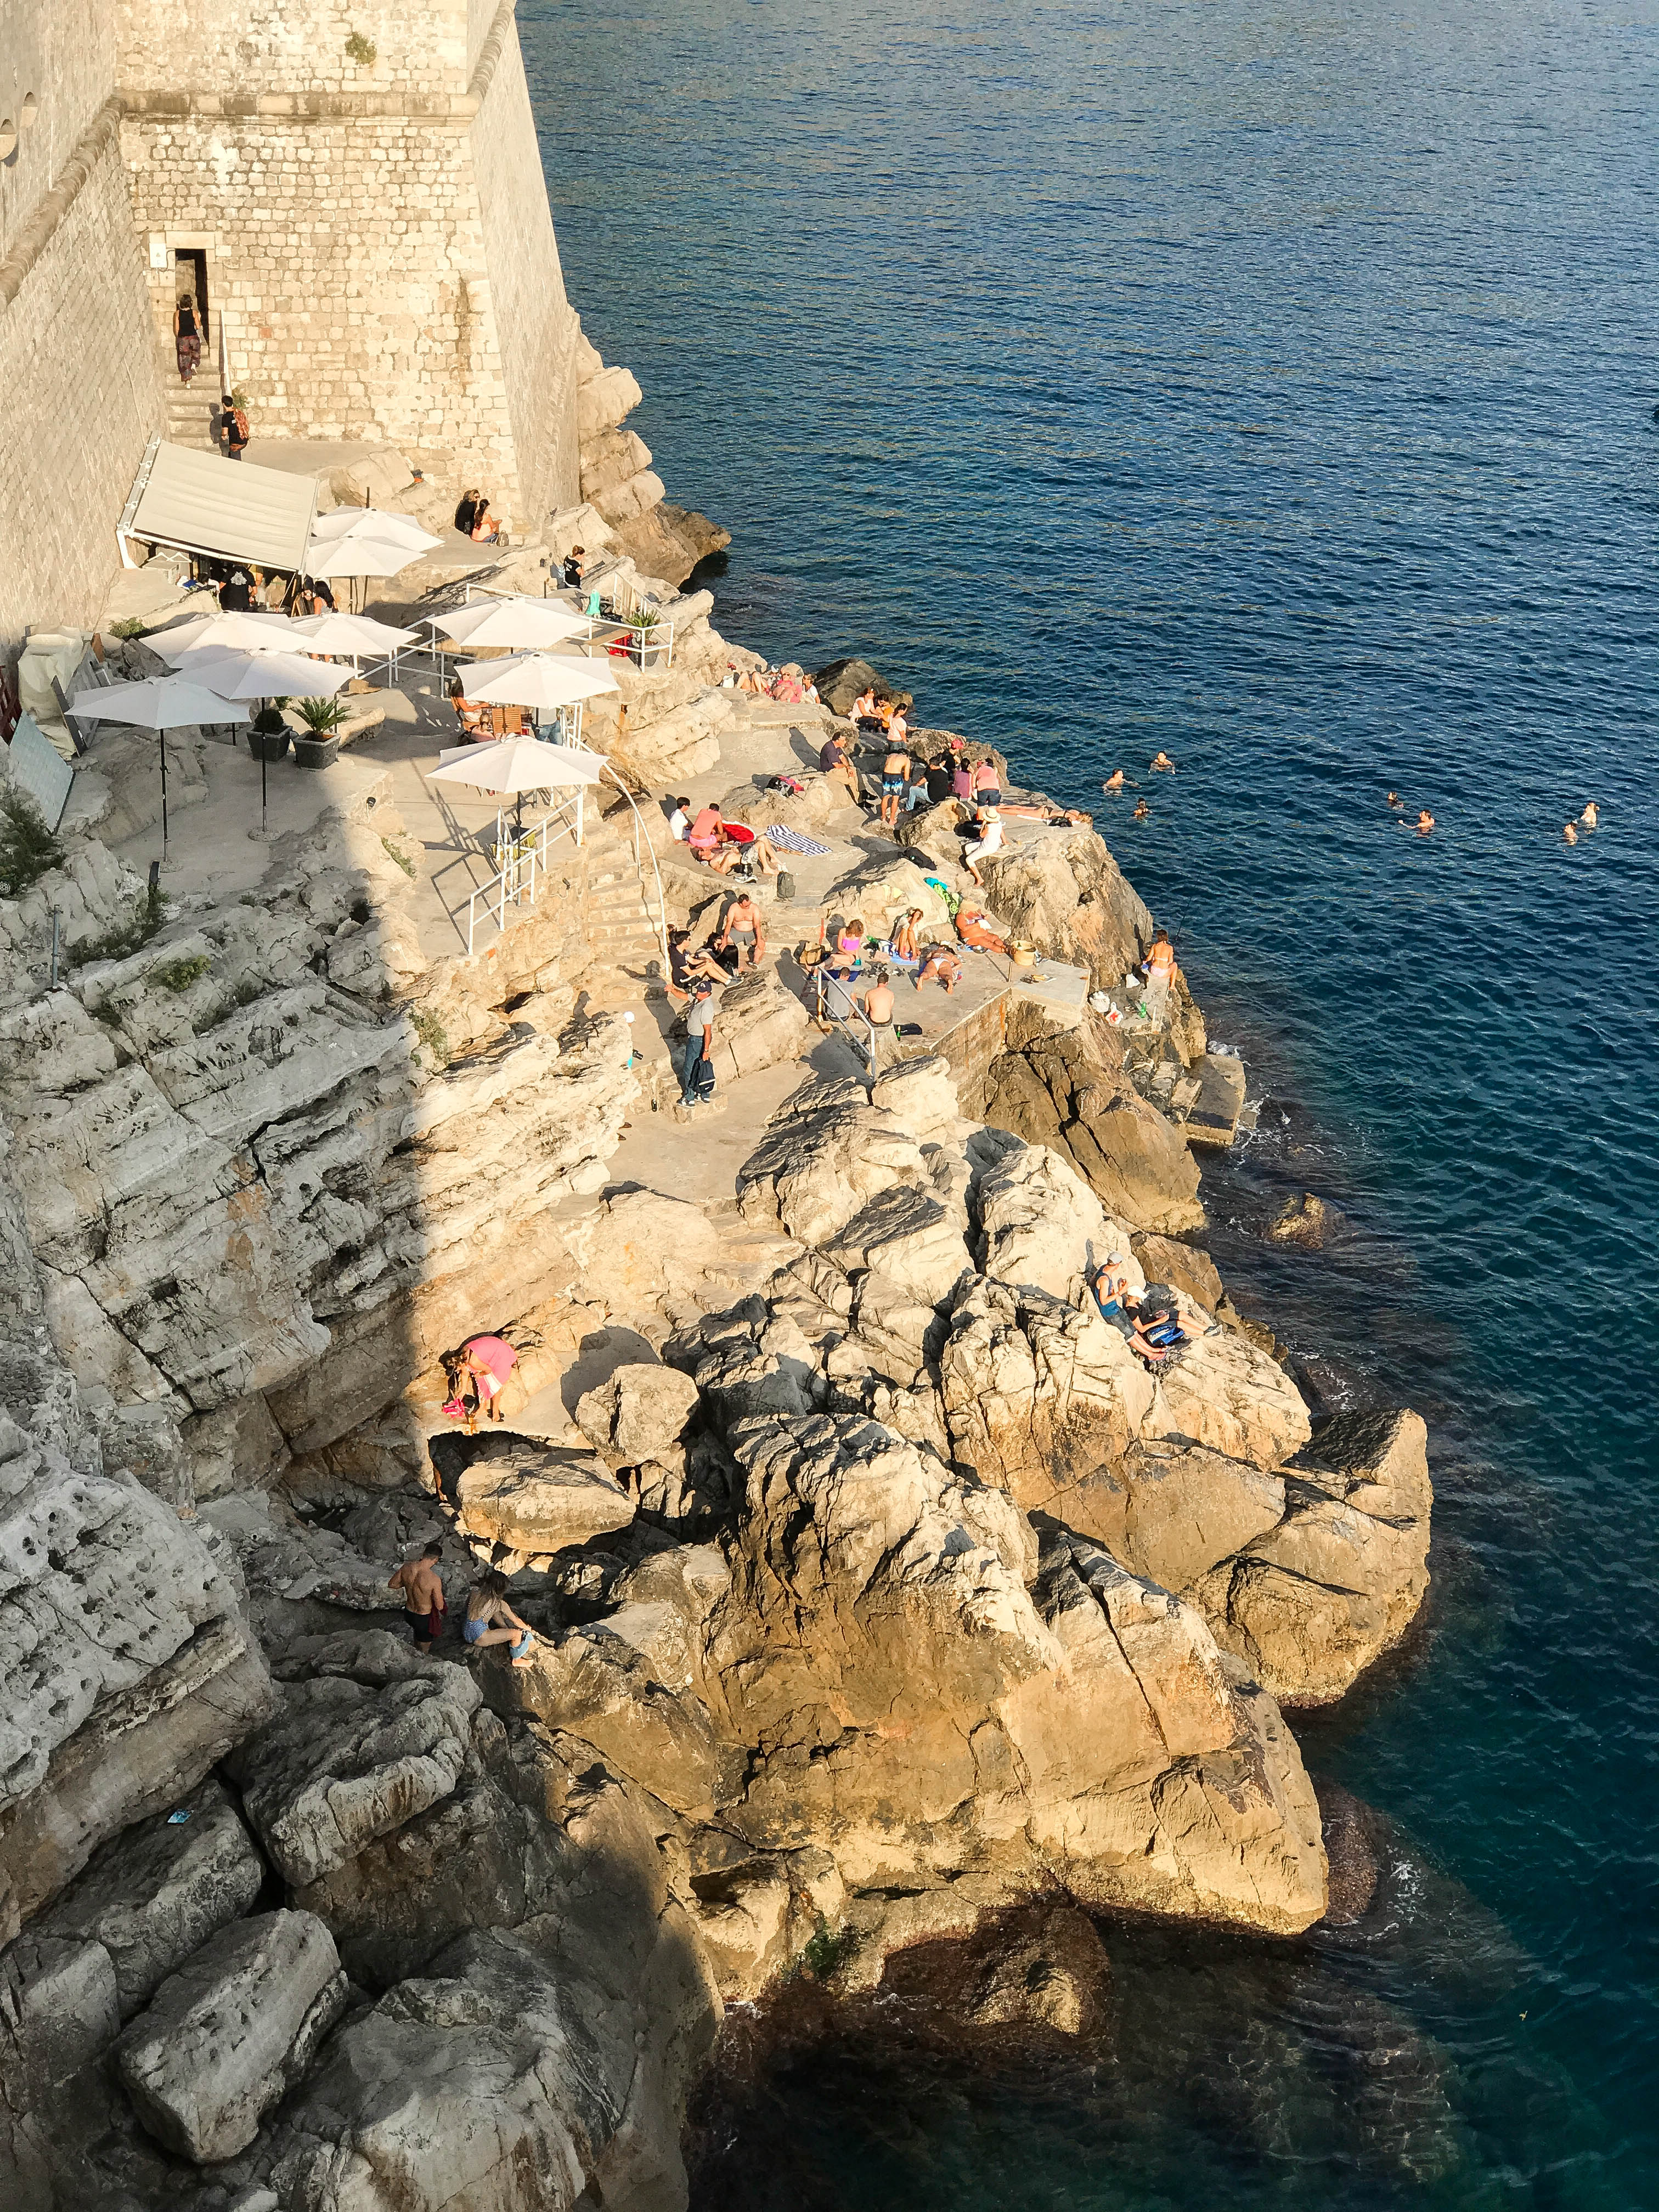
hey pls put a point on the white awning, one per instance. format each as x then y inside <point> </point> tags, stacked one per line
<point>203,503</point>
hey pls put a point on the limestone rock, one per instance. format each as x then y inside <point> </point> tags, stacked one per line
<point>639,1414</point>
<point>1312,1601</point>
<point>840,682</point>
<point>342,1764</point>
<point>1043,1224</point>
<point>908,1237</point>
<point>917,1704</point>
<point>1225,1392</point>
<point>1056,1092</point>
<point>58,2017</point>
<point>921,1096</point>
<point>1055,1977</point>
<point>133,1669</point>
<point>1184,1267</point>
<point>156,1893</point>
<point>1064,891</point>
<point>811,1172</point>
<point>1041,1397</point>
<point>227,2035</point>
<point>1304,1220</point>
<point>759,1021</point>
<point>523,1496</point>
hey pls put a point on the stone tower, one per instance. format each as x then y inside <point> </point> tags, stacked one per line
<point>357,189</point>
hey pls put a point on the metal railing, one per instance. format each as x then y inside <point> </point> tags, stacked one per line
<point>659,920</point>
<point>516,881</point>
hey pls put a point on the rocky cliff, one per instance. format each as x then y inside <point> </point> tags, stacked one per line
<point>877,1587</point>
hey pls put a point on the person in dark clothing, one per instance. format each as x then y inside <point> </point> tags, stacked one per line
<point>573,568</point>
<point>233,424</point>
<point>466,513</point>
<point>236,596</point>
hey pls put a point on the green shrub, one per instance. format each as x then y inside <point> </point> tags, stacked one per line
<point>28,848</point>
<point>401,857</point>
<point>433,1034</point>
<point>132,627</point>
<point>827,1949</point>
<point>361,50</point>
<point>149,911</point>
<point>178,975</point>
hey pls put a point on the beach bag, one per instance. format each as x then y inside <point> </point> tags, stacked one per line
<point>704,1086</point>
<point>785,884</point>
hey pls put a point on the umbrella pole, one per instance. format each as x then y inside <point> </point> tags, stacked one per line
<point>262,786</point>
<point>164,795</point>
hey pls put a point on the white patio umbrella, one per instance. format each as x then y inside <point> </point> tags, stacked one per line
<point>535,679</point>
<point>516,623</point>
<point>373,522</point>
<point>160,703</point>
<point>351,635</point>
<point>355,555</point>
<point>266,675</point>
<point>238,633</point>
<point>515,765</point>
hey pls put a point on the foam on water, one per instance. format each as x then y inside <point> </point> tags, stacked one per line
<point>1275,388</point>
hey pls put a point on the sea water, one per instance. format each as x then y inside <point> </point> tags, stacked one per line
<point>1273,385</point>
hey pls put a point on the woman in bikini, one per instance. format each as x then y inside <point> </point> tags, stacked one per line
<point>904,944</point>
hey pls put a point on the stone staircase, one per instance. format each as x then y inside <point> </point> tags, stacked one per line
<point>192,407</point>
<point>618,924</point>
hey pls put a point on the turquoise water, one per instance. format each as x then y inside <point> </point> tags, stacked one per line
<point>1275,386</point>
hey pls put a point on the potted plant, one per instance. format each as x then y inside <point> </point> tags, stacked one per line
<point>268,733</point>
<point>321,746</point>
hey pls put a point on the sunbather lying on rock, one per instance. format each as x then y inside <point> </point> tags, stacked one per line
<point>972,929</point>
<point>939,964</point>
<point>491,1620</point>
<point>1146,1322</point>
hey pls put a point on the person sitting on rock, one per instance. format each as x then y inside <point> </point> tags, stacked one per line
<point>743,921</point>
<point>679,822</point>
<point>989,842</point>
<point>835,767</point>
<point>483,1366</point>
<point>939,964</point>
<point>849,941</point>
<point>1118,1310</point>
<point>904,945</point>
<point>491,1620</point>
<point>424,1596</point>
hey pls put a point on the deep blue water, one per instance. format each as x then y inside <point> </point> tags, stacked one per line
<point>1274,386</point>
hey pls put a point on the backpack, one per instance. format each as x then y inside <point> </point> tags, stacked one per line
<point>785,884</point>
<point>238,427</point>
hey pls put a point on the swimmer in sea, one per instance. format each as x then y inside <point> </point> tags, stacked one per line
<point>1394,798</point>
<point>1591,815</point>
<point>1143,812</point>
<point>1161,760</point>
<point>1114,782</point>
<point>1570,834</point>
<point>1425,822</point>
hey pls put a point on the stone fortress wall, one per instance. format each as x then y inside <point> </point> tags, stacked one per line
<point>76,364</point>
<point>376,236</point>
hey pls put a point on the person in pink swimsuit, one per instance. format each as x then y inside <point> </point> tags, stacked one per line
<point>487,1363</point>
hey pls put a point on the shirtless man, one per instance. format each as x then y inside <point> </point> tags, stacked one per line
<point>743,920</point>
<point>895,783</point>
<point>1570,834</point>
<point>491,1620</point>
<point>1425,822</point>
<point>1114,782</point>
<point>1590,816</point>
<point>424,1596</point>
<point>878,1012</point>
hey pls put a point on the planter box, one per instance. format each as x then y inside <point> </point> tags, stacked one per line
<point>268,745</point>
<point>316,752</point>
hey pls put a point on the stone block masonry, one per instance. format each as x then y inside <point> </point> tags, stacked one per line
<point>77,365</point>
<point>363,178</point>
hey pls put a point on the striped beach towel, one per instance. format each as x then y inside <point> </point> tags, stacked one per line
<point>791,840</point>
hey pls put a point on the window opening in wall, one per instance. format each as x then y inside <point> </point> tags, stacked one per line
<point>30,109</point>
<point>7,141</point>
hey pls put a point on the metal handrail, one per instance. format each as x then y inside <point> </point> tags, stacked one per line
<point>517,880</point>
<point>661,918</point>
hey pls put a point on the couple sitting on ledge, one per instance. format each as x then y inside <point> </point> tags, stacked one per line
<point>1150,1323</point>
